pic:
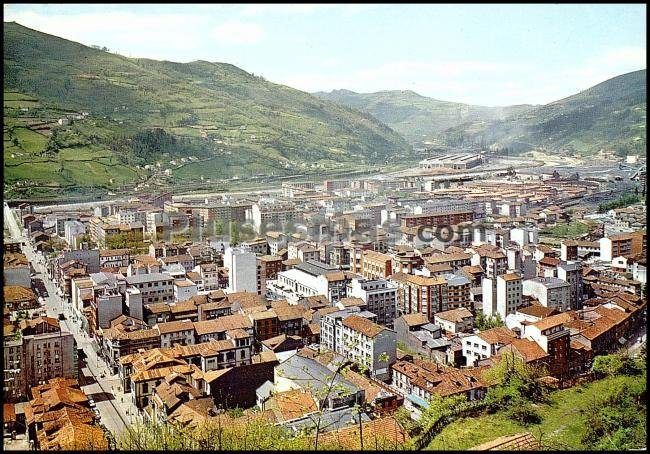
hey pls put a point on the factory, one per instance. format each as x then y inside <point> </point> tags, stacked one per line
<point>456,161</point>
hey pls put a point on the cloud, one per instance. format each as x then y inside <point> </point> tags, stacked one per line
<point>302,8</point>
<point>166,36</point>
<point>118,30</point>
<point>238,33</point>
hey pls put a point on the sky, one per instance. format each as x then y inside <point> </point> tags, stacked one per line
<point>496,55</point>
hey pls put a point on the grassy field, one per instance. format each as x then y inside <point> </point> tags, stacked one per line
<point>569,230</point>
<point>562,424</point>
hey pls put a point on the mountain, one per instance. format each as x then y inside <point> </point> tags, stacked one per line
<point>417,117</point>
<point>144,111</point>
<point>609,116</point>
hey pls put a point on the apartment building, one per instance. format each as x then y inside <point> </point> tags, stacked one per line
<point>369,344</point>
<point>459,320</point>
<point>376,265</point>
<point>379,296</point>
<point>154,287</point>
<point>114,258</point>
<point>180,332</point>
<point>73,230</point>
<point>491,258</point>
<point>550,292</point>
<point>268,267</point>
<point>426,295</point>
<point>485,344</point>
<point>242,269</point>
<point>457,291</point>
<point>209,276</point>
<point>622,244</point>
<point>437,219</point>
<point>47,352</point>
<point>16,269</point>
<point>272,216</point>
<point>502,295</point>
<point>421,380</point>
<point>571,273</point>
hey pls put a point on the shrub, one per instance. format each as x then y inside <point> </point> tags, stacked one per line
<point>524,412</point>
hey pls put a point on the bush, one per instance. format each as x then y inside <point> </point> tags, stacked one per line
<point>524,412</point>
<point>617,364</point>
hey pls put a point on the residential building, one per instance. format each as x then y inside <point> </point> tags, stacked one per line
<point>375,265</point>
<point>379,296</point>
<point>368,344</point>
<point>47,352</point>
<point>272,216</point>
<point>154,287</point>
<point>242,269</point>
<point>485,344</point>
<point>550,292</point>
<point>457,290</point>
<point>459,320</point>
<point>504,298</point>
<point>421,380</point>
<point>426,295</point>
<point>571,272</point>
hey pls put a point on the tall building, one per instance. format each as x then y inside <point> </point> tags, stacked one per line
<point>47,352</point>
<point>379,295</point>
<point>242,269</point>
<point>457,291</point>
<point>73,230</point>
<point>505,298</point>
<point>550,291</point>
<point>272,215</point>
<point>376,265</point>
<point>571,272</point>
<point>426,295</point>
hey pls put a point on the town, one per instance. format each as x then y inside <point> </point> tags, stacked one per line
<point>317,306</point>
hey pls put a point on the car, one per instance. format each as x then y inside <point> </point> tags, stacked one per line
<point>91,402</point>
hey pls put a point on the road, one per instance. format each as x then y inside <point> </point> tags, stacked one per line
<point>114,407</point>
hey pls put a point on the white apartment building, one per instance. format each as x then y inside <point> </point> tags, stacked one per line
<point>505,298</point>
<point>154,287</point>
<point>303,251</point>
<point>379,295</point>
<point>73,230</point>
<point>242,269</point>
<point>485,344</point>
<point>130,216</point>
<point>370,344</point>
<point>310,279</point>
<point>209,276</point>
<point>571,273</point>
<point>352,333</point>
<point>550,291</point>
<point>184,289</point>
<point>524,235</point>
<point>276,241</point>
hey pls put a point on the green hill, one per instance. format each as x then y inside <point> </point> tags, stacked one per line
<point>609,116</point>
<point>231,122</point>
<point>418,118</point>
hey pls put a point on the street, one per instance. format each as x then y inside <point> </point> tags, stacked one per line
<point>115,408</point>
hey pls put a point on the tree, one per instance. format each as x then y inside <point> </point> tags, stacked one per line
<point>234,234</point>
<point>514,382</point>
<point>481,322</point>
